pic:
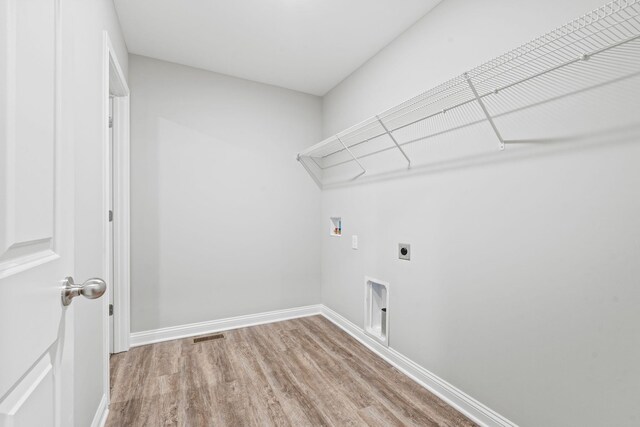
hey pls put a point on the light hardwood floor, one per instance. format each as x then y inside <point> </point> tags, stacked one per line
<point>301,372</point>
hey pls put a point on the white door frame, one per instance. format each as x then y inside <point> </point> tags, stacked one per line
<point>114,81</point>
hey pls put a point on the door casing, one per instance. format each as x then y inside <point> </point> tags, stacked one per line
<point>115,84</point>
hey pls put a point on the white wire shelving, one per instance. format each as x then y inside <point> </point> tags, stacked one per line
<point>601,46</point>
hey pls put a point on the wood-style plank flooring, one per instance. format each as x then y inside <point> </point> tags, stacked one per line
<point>301,372</point>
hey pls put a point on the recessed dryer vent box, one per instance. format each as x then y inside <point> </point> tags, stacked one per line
<point>376,310</point>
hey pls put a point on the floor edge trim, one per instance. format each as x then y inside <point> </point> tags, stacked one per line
<point>189,330</point>
<point>102,412</point>
<point>463,403</point>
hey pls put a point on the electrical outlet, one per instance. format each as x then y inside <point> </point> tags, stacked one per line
<point>404,251</point>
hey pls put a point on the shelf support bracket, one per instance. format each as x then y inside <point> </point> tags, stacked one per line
<point>484,109</point>
<point>394,141</point>
<point>354,157</point>
<point>311,174</point>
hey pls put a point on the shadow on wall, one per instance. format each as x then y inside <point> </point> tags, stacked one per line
<point>187,178</point>
<point>527,149</point>
<point>208,237</point>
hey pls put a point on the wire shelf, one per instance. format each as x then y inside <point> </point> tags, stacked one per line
<point>601,46</point>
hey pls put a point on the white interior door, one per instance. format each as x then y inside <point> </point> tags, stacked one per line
<point>36,220</point>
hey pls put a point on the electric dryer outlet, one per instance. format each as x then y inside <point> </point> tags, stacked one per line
<point>404,251</point>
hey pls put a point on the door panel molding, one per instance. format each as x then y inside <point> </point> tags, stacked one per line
<point>26,255</point>
<point>24,404</point>
<point>28,126</point>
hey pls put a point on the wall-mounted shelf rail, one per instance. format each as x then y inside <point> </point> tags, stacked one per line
<point>601,45</point>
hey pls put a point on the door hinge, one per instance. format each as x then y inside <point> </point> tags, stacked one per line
<point>110,216</point>
<point>110,309</point>
<point>110,122</point>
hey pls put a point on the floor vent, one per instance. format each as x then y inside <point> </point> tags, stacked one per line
<point>208,338</point>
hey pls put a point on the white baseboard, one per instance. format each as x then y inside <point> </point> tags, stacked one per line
<point>100,418</point>
<point>462,402</point>
<point>193,329</point>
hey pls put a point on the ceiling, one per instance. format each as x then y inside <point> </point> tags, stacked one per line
<point>305,45</point>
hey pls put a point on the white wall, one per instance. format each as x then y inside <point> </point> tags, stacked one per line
<point>83,24</point>
<point>523,288</point>
<point>224,221</point>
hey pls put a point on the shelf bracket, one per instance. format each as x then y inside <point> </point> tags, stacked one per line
<point>354,157</point>
<point>484,109</point>
<point>311,174</point>
<point>394,141</point>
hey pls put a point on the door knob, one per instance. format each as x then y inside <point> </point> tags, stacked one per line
<point>92,288</point>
